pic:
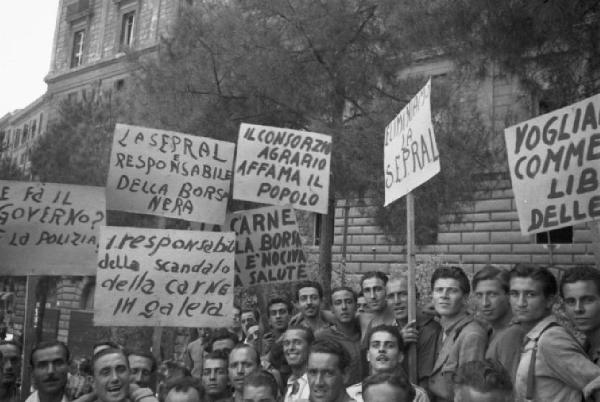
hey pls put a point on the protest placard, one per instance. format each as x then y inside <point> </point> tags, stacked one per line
<point>49,229</point>
<point>268,246</point>
<point>554,162</point>
<point>158,277</point>
<point>410,153</point>
<point>279,166</point>
<point>170,174</point>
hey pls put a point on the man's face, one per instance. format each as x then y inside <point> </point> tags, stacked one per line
<point>384,352</point>
<point>325,379</point>
<point>343,306</point>
<point>582,305</point>
<point>254,336</point>
<point>279,316</point>
<point>448,297</point>
<point>215,377</point>
<point>309,302</point>
<point>374,291</point>
<point>493,303</point>
<point>11,364</point>
<point>529,305</point>
<point>385,393</point>
<point>258,394</point>
<point>191,395</point>
<point>468,394</point>
<point>223,344</point>
<point>295,347</point>
<point>242,362</point>
<point>50,368</point>
<point>111,378</point>
<point>237,320</point>
<point>361,305</point>
<point>141,370</point>
<point>397,298</point>
<point>248,320</point>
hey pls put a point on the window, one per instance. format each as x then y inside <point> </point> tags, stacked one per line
<point>318,223</point>
<point>77,54</point>
<point>25,132</point>
<point>18,137</point>
<point>120,84</point>
<point>557,236</point>
<point>41,121</point>
<point>33,127</point>
<point>127,26</point>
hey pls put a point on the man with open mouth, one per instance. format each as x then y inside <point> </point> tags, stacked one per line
<point>112,379</point>
<point>385,353</point>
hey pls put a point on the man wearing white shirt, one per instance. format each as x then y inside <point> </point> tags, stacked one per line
<point>296,343</point>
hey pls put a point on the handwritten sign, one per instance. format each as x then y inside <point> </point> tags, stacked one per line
<point>554,163</point>
<point>269,246</point>
<point>410,153</point>
<point>280,166</point>
<point>154,277</point>
<point>49,229</point>
<point>169,174</point>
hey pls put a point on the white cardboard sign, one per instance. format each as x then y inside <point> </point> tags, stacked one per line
<point>169,174</point>
<point>411,155</point>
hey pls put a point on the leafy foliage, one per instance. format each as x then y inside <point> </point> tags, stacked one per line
<point>329,67</point>
<point>76,147</point>
<point>9,170</point>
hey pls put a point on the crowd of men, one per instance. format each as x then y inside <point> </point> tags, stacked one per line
<point>512,347</point>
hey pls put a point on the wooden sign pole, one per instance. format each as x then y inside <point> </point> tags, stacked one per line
<point>28,334</point>
<point>412,297</point>
<point>595,229</point>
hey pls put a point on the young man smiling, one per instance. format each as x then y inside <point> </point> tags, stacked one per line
<point>296,342</point>
<point>309,295</point>
<point>463,338</point>
<point>553,365</point>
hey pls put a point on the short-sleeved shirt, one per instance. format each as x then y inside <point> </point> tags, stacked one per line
<point>562,368</point>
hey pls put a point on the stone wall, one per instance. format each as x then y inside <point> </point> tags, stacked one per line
<point>487,232</point>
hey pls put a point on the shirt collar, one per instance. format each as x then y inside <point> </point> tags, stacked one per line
<point>452,324</point>
<point>537,330</point>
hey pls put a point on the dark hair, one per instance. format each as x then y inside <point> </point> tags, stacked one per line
<point>403,277</point>
<point>246,346</point>
<point>185,383</point>
<point>262,378</point>
<point>309,335</point>
<point>276,300</point>
<point>309,284</point>
<point>491,272</point>
<point>346,288</point>
<point>50,344</point>
<point>217,355</point>
<point>12,343</point>
<point>237,306</point>
<point>144,353</point>
<point>373,274</point>
<point>581,273</point>
<point>332,347</point>
<point>108,351</point>
<point>106,345</point>
<point>394,378</point>
<point>360,294</point>
<point>484,376</point>
<point>254,312</point>
<point>221,334</point>
<point>390,329</point>
<point>452,272</point>
<point>536,273</point>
